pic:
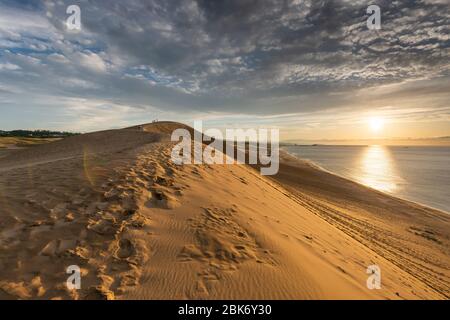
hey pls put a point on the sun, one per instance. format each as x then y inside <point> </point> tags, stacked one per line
<point>376,124</point>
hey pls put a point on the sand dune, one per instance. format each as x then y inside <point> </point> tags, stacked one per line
<point>141,227</point>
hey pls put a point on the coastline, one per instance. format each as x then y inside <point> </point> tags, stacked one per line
<point>319,167</point>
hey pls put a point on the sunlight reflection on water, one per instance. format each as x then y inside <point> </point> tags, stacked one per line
<point>416,173</point>
<point>377,169</point>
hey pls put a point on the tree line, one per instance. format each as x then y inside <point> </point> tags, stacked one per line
<point>36,133</point>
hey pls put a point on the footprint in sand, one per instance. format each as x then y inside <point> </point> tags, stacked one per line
<point>126,249</point>
<point>162,199</point>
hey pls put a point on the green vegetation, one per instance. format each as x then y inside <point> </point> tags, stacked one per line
<point>36,134</point>
<point>28,138</point>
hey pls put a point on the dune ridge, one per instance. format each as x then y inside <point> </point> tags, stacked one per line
<point>141,227</point>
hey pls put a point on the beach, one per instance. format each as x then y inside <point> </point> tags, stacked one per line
<point>142,227</point>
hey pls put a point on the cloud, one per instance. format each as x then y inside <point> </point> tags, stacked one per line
<point>91,61</point>
<point>253,57</point>
<point>8,66</point>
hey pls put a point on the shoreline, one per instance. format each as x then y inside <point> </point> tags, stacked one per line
<point>319,167</point>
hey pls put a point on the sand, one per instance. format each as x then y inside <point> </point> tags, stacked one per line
<point>141,227</point>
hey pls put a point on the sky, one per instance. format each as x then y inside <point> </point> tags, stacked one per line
<point>311,68</point>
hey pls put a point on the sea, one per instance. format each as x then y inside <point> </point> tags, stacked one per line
<point>416,173</point>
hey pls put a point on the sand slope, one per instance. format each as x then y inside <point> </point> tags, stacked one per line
<point>141,227</point>
<point>413,237</point>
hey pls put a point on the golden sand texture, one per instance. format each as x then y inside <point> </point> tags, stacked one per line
<point>141,227</point>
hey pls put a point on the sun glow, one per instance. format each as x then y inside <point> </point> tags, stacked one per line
<point>376,124</point>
